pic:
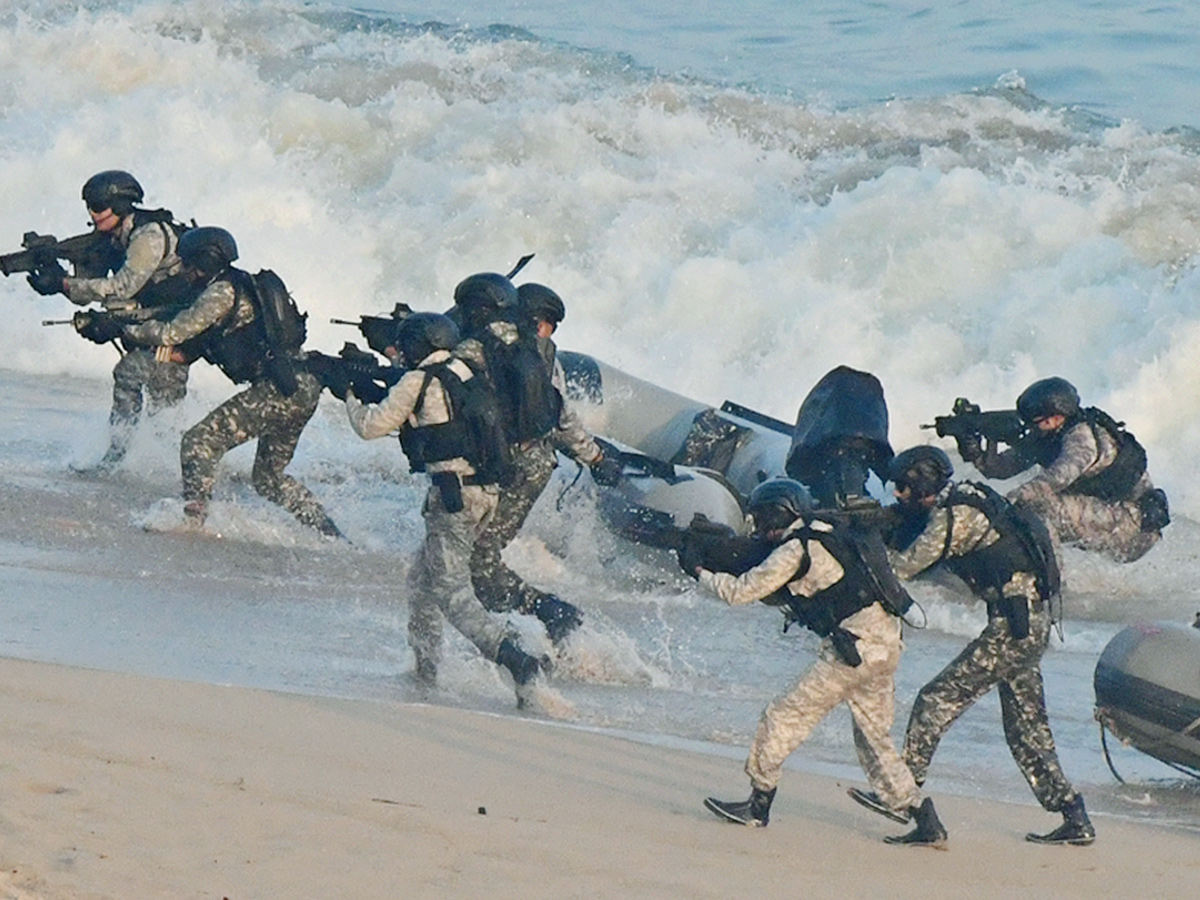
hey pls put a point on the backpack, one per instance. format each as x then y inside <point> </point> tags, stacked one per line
<point>529,402</point>
<point>284,328</point>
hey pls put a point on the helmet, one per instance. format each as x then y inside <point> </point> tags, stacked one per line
<point>925,469</point>
<point>541,303</point>
<point>207,249</point>
<point>421,333</point>
<point>112,189</point>
<point>484,291</point>
<point>777,503</point>
<point>1048,397</point>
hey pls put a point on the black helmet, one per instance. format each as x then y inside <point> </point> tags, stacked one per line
<point>112,189</point>
<point>776,504</point>
<point>925,469</point>
<point>484,291</point>
<point>421,333</point>
<point>541,303</point>
<point>1048,397</point>
<point>207,249</point>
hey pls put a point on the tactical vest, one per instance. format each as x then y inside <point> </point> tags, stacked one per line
<point>867,579</point>
<point>474,432</point>
<point>174,291</point>
<point>1024,545</point>
<point>1116,481</point>
<point>236,345</point>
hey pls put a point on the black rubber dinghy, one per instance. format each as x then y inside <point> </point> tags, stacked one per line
<point>1147,686</point>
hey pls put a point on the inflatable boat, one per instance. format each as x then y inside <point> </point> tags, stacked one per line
<point>683,457</point>
<point>1147,686</point>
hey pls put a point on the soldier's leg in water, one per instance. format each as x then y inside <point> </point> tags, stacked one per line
<point>498,587</point>
<point>952,691</point>
<point>166,385</point>
<point>202,447</point>
<point>280,421</point>
<point>1026,724</point>
<point>424,620</point>
<point>130,376</point>
<point>446,557</point>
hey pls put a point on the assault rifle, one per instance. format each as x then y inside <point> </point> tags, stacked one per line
<point>354,369</point>
<point>92,253</point>
<point>967,421</point>
<point>719,548</point>
<point>379,331</point>
<point>101,326</point>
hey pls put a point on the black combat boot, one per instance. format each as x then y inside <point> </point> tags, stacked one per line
<point>524,668</point>
<point>755,811</point>
<point>872,801</point>
<point>559,617</point>
<point>1076,827</point>
<point>929,831</point>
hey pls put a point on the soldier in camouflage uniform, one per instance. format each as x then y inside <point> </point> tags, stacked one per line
<point>148,275</point>
<point>224,324</point>
<point>458,504</point>
<point>481,299</point>
<point>826,587</point>
<point>1093,490</point>
<point>1007,558</point>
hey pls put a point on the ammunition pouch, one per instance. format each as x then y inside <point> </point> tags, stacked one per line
<point>1155,512</point>
<point>844,643</point>
<point>450,487</point>
<point>1015,611</point>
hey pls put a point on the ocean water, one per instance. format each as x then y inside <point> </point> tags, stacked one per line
<point>960,200</point>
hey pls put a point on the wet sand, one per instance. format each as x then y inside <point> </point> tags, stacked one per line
<point>117,786</point>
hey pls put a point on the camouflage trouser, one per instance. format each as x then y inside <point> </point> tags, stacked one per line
<point>135,375</point>
<point>868,689</point>
<point>995,659</point>
<point>441,579</point>
<point>500,588</point>
<point>260,411</point>
<point>1110,527</point>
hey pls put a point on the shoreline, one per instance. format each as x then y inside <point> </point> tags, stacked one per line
<point>126,786</point>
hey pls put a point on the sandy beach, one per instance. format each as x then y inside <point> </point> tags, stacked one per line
<point>115,786</point>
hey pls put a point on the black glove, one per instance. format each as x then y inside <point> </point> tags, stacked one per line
<point>559,617</point>
<point>690,558</point>
<point>970,447</point>
<point>98,327</point>
<point>607,471</point>
<point>47,280</point>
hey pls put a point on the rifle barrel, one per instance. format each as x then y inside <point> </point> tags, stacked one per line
<point>58,322</point>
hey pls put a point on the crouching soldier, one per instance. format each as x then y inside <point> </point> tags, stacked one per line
<point>448,428</point>
<point>249,328</point>
<point>1006,557</point>
<point>1093,489</point>
<point>835,582</point>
